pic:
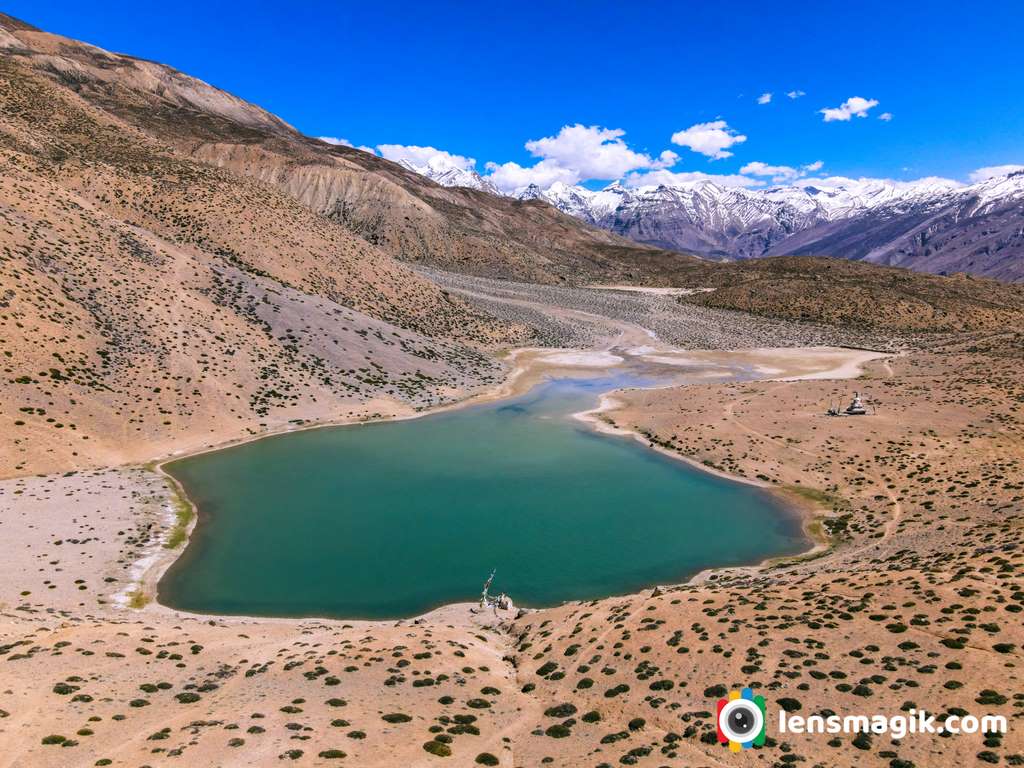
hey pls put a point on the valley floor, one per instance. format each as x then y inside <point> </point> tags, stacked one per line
<point>918,602</point>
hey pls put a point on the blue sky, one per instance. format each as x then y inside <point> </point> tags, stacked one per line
<point>480,80</point>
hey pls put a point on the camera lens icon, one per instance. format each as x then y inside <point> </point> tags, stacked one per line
<point>741,720</point>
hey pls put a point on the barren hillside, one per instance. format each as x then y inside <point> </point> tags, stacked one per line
<point>401,212</point>
<point>857,296</point>
<point>150,300</point>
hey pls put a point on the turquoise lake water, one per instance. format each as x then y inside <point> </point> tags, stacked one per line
<point>392,519</point>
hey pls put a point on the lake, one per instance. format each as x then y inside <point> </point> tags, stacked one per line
<point>391,519</point>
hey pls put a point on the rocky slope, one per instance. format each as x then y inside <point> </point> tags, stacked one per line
<point>150,302</point>
<point>396,209</point>
<point>180,267</point>
<point>856,296</point>
<point>977,229</point>
<point>929,226</point>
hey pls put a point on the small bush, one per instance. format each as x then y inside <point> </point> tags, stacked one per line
<point>557,731</point>
<point>438,749</point>
<point>790,705</point>
<point>561,711</point>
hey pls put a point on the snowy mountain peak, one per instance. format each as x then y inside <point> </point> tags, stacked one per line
<point>891,222</point>
<point>531,192</point>
<point>452,177</point>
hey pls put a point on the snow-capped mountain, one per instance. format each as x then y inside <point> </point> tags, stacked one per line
<point>932,225</point>
<point>721,209</point>
<point>453,177</point>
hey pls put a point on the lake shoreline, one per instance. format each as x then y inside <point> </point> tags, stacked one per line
<point>530,366</point>
<point>808,512</point>
<point>160,559</point>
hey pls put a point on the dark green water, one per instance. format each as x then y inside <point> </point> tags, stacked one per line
<point>391,519</point>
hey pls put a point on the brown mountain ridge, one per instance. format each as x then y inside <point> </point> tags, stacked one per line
<point>403,213</point>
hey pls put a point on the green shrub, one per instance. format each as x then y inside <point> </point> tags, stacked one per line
<point>561,711</point>
<point>790,705</point>
<point>438,749</point>
<point>547,668</point>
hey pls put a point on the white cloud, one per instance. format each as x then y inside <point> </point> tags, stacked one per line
<point>992,171</point>
<point>577,152</point>
<point>779,173</point>
<point>796,94</point>
<point>671,178</point>
<point>711,139</point>
<point>667,159</point>
<point>425,157</point>
<point>764,98</point>
<point>886,116</point>
<point>595,152</point>
<point>339,142</point>
<point>855,106</point>
<point>511,176</point>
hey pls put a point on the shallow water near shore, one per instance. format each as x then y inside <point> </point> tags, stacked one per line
<point>391,519</point>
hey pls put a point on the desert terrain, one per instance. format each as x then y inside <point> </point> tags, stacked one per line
<point>181,270</point>
<point>915,601</point>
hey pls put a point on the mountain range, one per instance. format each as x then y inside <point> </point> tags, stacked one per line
<point>933,225</point>
<point>177,264</point>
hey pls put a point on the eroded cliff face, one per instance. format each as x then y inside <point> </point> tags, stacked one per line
<point>419,221</point>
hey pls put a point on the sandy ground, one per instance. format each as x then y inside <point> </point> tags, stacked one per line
<point>651,291</point>
<point>79,541</point>
<point>917,599</point>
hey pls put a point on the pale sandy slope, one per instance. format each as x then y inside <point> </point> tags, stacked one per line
<point>909,575</point>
